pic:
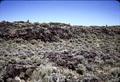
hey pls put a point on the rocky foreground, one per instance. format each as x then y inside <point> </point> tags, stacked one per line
<point>58,52</point>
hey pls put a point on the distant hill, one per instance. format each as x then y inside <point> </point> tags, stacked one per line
<point>51,31</point>
<point>58,52</point>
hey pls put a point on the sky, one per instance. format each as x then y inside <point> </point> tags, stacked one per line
<point>65,11</point>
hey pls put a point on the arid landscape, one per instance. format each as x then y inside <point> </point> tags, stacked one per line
<point>58,52</point>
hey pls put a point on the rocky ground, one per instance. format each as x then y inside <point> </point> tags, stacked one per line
<point>58,52</point>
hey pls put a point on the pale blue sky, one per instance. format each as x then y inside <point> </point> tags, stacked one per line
<point>73,12</point>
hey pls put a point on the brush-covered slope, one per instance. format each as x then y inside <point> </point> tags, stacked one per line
<point>58,52</point>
